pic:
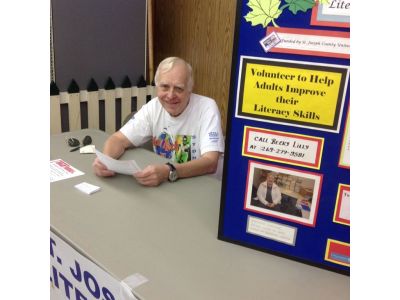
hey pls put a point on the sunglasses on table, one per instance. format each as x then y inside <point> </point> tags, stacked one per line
<point>73,142</point>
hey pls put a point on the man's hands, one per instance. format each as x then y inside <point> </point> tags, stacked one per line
<point>152,175</point>
<point>270,205</point>
<point>100,169</point>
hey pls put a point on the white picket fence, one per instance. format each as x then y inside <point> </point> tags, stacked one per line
<point>92,98</point>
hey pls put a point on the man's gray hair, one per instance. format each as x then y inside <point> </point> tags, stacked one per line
<point>168,63</point>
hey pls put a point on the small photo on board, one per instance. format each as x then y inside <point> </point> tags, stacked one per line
<point>283,193</point>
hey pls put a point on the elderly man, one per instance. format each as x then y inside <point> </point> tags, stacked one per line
<point>184,127</point>
<point>269,193</point>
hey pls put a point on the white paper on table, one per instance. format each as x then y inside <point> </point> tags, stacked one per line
<point>60,170</point>
<point>127,167</point>
<point>87,149</point>
<point>87,188</point>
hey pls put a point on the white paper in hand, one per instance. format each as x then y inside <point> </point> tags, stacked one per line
<point>127,167</point>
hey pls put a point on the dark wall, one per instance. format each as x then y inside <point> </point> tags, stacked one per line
<point>97,39</point>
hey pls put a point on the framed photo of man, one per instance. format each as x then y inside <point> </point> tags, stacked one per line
<point>283,193</point>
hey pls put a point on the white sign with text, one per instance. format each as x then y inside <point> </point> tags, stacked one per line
<point>272,230</point>
<point>74,277</point>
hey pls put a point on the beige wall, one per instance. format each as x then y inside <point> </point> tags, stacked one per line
<point>201,32</point>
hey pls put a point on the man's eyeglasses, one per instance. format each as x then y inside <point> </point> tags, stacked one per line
<point>73,142</point>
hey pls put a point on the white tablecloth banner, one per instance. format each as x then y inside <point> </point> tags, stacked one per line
<point>74,277</point>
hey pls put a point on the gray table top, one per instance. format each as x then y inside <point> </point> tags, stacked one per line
<point>169,235</point>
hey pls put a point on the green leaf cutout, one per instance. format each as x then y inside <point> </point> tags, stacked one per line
<point>263,12</point>
<point>303,5</point>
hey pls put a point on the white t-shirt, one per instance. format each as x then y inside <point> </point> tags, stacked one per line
<point>186,137</point>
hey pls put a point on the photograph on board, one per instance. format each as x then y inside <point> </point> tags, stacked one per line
<point>283,193</point>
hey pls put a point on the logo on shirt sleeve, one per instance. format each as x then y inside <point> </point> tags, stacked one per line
<point>213,136</point>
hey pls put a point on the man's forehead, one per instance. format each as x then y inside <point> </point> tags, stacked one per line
<point>176,71</point>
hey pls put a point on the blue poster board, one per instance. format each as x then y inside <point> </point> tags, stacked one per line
<point>286,183</point>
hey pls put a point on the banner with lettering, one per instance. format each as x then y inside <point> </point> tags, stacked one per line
<point>73,276</point>
<point>286,181</point>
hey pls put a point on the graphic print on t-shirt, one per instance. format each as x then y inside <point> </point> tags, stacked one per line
<point>181,149</point>
<point>163,145</point>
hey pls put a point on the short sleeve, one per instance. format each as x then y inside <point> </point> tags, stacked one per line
<point>138,130</point>
<point>211,136</point>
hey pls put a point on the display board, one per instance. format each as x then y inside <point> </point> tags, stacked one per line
<point>286,182</point>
